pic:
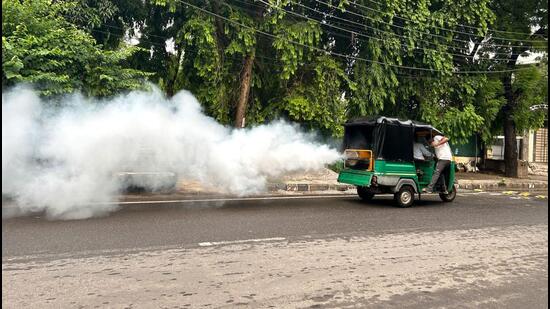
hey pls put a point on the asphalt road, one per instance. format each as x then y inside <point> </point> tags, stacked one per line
<point>483,250</point>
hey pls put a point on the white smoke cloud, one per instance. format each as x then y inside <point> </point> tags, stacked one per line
<point>64,161</point>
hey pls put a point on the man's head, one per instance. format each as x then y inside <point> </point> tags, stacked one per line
<point>420,138</point>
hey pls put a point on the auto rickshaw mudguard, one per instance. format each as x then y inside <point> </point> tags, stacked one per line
<point>405,181</point>
<point>356,177</point>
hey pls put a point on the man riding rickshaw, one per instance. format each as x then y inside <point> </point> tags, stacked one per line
<point>388,155</point>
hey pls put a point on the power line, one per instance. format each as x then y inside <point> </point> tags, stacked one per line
<point>387,23</point>
<point>304,45</point>
<point>339,54</point>
<point>380,39</point>
<point>276,61</point>
<point>355,31</point>
<point>476,57</point>
<point>364,35</point>
<point>447,29</point>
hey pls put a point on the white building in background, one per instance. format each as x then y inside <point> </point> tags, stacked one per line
<point>532,151</point>
<point>532,147</point>
<point>537,149</point>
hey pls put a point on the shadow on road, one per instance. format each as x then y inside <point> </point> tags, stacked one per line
<point>385,201</point>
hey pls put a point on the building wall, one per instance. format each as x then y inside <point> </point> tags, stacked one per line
<point>541,145</point>
<point>531,145</point>
<point>471,148</point>
<point>496,150</point>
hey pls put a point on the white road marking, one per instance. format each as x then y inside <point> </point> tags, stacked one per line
<point>188,201</point>
<point>257,199</point>
<point>242,241</point>
<point>227,199</point>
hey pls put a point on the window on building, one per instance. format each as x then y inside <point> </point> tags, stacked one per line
<point>497,148</point>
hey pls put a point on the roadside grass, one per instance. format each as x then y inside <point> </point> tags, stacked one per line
<point>337,166</point>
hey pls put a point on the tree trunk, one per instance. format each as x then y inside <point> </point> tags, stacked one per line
<point>510,148</point>
<point>171,82</point>
<point>510,143</point>
<point>246,76</point>
<point>242,102</point>
<point>220,35</point>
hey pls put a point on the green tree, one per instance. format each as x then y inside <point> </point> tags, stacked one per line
<point>40,47</point>
<point>319,62</point>
<point>414,49</point>
<point>238,73</point>
<point>526,23</point>
<point>214,56</point>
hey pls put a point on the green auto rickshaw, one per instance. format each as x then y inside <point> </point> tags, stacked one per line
<point>379,160</point>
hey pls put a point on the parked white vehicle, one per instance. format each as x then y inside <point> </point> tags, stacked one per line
<point>142,174</point>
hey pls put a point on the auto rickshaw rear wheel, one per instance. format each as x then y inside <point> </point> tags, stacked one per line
<point>448,197</point>
<point>364,194</point>
<point>405,196</point>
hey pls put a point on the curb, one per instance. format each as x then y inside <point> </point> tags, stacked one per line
<point>305,187</point>
<point>501,185</point>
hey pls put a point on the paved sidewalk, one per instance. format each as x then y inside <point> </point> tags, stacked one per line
<point>488,181</point>
<point>325,181</point>
<point>471,181</point>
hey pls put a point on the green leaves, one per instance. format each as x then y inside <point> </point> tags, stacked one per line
<point>293,74</point>
<point>40,47</point>
<point>531,88</point>
<point>243,39</point>
<point>303,33</point>
<point>317,99</point>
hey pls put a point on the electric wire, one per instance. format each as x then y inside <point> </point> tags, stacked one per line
<point>339,54</point>
<point>383,22</point>
<point>447,29</point>
<point>359,33</point>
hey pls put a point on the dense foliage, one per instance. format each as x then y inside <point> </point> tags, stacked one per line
<point>39,46</point>
<point>316,62</point>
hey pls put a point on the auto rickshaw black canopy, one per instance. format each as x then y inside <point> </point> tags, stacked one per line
<point>390,139</point>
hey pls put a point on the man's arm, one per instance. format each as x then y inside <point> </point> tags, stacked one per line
<point>439,141</point>
<point>442,141</point>
<point>426,153</point>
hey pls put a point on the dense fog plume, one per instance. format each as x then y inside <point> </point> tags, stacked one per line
<point>64,158</point>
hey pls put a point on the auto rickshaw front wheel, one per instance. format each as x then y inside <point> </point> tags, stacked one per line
<point>448,197</point>
<point>405,196</point>
<point>364,194</point>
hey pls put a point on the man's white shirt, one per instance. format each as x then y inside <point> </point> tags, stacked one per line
<point>443,152</point>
